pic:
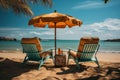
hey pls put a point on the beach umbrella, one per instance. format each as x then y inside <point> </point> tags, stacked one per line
<point>54,20</point>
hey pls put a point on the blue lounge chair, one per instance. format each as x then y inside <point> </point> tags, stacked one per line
<point>33,50</point>
<point>87,50</point>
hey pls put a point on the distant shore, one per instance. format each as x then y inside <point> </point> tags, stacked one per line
<point>112,40</point>
<point>14,39</point>
<point>7,39</point>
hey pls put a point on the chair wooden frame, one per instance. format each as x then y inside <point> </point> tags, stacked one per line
<point>88,54</point>
<point>33,54</point>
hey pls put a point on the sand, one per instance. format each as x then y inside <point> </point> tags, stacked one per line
<point>11,68</point>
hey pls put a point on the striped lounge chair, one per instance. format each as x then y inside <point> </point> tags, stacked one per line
<point>33,50</point>
<point>87,50</point>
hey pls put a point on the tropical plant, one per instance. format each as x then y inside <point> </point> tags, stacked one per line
<point>23,6</point>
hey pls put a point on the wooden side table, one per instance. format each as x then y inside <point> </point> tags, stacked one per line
<point>60,60</point>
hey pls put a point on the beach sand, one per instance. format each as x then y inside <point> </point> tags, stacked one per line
<point>11,68</point>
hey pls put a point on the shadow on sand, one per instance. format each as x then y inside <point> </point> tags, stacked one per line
<point>106,72</point>
<point>10,68</point>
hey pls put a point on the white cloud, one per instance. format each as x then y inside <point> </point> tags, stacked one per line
<point>97,30</point>
<point>87,33</point>
<point>48,33</point>
<point>43,33</point>
<point>108,24</point>
<point>109,28</point>
<point>112,24</point>
<point>87,4</point>
<point>36,33</point>
<point>69,32</point>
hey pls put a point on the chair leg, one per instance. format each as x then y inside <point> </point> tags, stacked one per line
<point>47,58</point>
<point>52,55</point>
<point>68,59</point>
<point>25,59</point>
<point>42,61</point>
<point>97,62</point>
<point>77,63</point>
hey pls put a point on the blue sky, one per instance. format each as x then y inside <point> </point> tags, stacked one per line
<point>99,19</point>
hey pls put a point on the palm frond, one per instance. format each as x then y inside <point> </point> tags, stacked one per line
<point>106,1</point>
<point>43,2</point>
<point>22,9</point>
<point>22,6</point>
<point>4,3</point>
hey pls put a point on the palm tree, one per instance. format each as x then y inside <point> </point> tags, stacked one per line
<point>23,6</point>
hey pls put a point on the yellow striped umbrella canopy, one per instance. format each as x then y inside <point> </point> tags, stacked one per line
<point>54,20</point>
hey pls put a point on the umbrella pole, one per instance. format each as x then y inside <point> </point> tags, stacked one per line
<point>55,38</point>
<point>55,43</point>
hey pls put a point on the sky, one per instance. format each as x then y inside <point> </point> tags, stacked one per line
<point>99,20</point>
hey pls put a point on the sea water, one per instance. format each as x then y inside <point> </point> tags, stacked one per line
<point>63,44</point>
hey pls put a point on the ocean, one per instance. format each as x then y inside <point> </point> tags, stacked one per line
<point>63,44</point>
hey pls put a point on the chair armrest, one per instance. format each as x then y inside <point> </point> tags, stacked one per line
<point>72,53</point>
<point>46,52</point>
<point>47,49</point>
<point>71,49</point>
